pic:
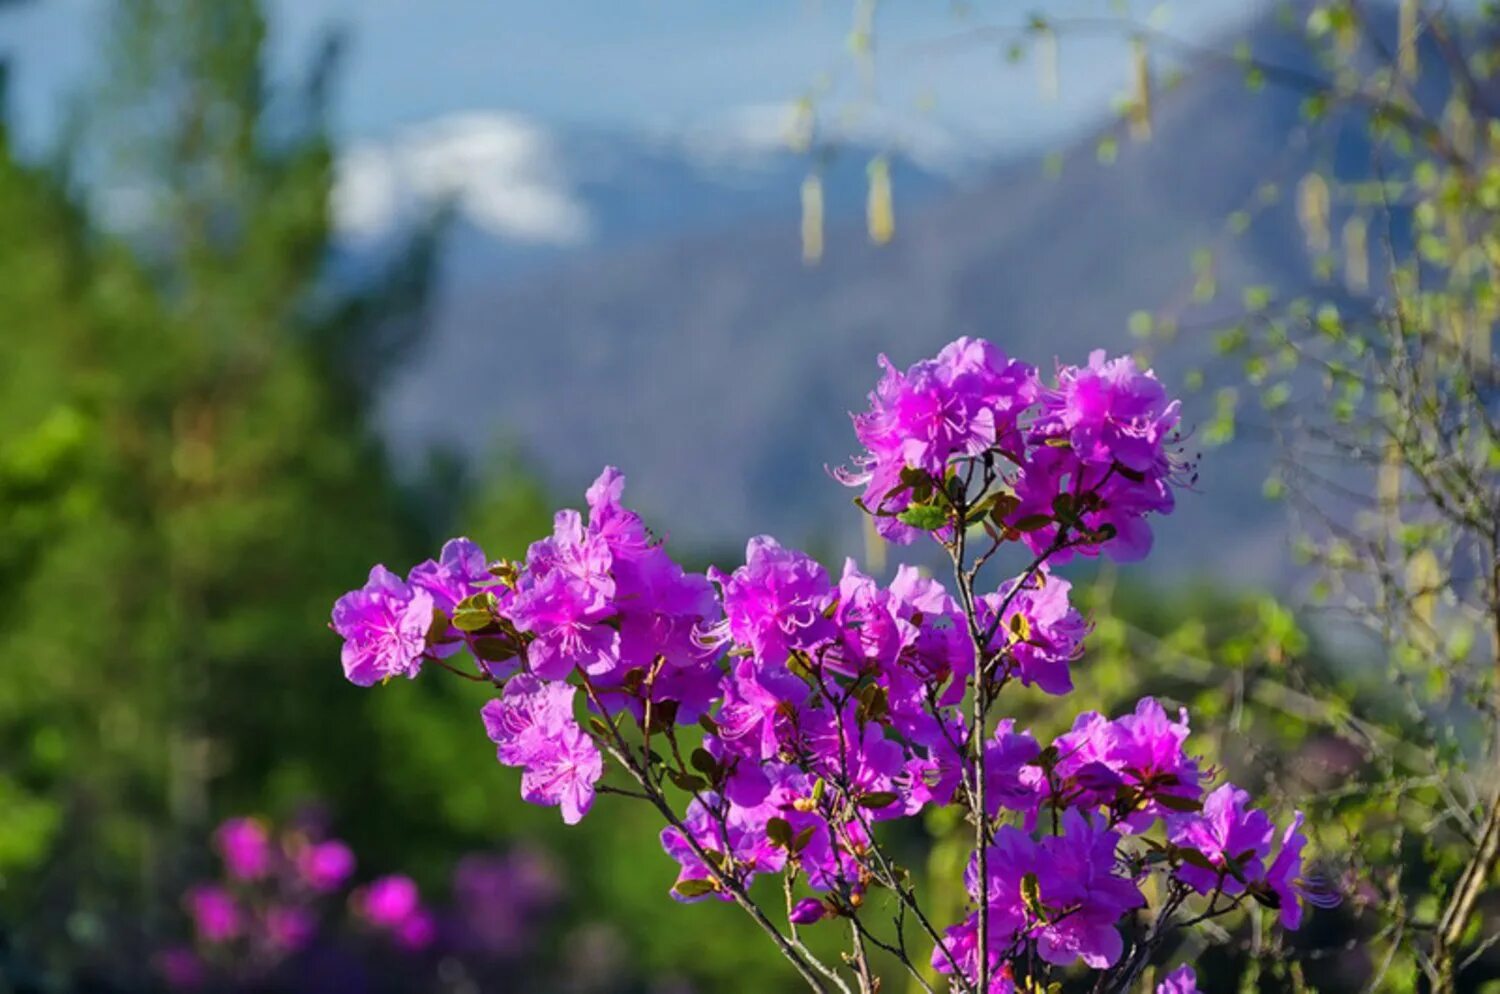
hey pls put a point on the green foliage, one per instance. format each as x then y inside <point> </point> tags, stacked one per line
<point>187,482</point>
<point>1381,382</point>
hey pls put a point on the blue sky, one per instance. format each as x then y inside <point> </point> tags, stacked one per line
<point>644,64</point>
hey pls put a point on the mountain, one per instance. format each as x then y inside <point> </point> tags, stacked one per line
<point>688,344</point>
<point>524,196</point>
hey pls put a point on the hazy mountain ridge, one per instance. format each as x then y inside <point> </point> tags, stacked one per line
<point>717,370</point>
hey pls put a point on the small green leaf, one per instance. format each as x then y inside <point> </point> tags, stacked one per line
<point>1174,803</point>
<point>492,650</point>
<point>1032,522</point>
<point>1265,896</point>
<point>803,838</point>
<point>1031,895</point>
<point>927,517</point>
<point>475,612</point>
<point>779,831</point>
<point>704,762</point>
<point>878,799</point>
<point>686,781</point>
<point>694,888</point>
<point>1193,857</point>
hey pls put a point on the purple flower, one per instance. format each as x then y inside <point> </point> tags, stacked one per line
<point>458,573</point>
<point>961,943</point>
<point>564,774</point>
<point>417,931</point>
<point>1234,837</point>
<point>289,927</point>
<point>181,968</point>
<point>872,632</point>
<point>774,603</point>
<point>1143,751</point>
<point>245,847</point>
<point>1103,443</point>
<point>1077,880</point>
<point>1083,759</point>
<point>1180,981</point>
<point>324,866</point>
<point>1104,499</point>
<point>388,901</point>
<point>1075,898</point>
<point>753,708</point>
<point>738,833</point>
<point>532,726</point>
<point>564,595</point>
<point>1286,869</point>
<point>528,714</point>
<point>384,626</point>
<point>1009,780</point>
<point>808,911</point>
<point>963,402</point>
<point>845,750</point>
<point>502,898</point>
<point>1147,750</point>
<point>1011,859</point>
<point>660,605</point>
<point>1109,412</point>
<point>620,528</point>
<point>215,913</point>
<point>1041,631</point>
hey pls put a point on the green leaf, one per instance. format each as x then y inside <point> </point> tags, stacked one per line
<point>438,628</point>
<point>878,799</point>
<point>1174,803</point>
<point>1031,896</point>
<point>475,612</point>
<point>686,781</point>
<point>927,517</point>
<point>1193,857</point>
<point>492,650</point>
<point>779,831</point>
<point>694,888</point>
<point>704,762</point>
<point>1265,896</point>
<point>1032,522</point>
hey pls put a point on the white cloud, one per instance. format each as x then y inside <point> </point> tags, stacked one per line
<point>501,171</point>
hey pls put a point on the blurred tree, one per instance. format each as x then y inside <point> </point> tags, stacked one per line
<point>187,478</point>
<point>1383,386</point>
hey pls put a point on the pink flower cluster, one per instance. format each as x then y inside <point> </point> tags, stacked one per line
<point>268,903</point>
<point>284,896</point>
<point>1095,451</point>
<point>393,906</point>
<point>1096,786</point>
<point>788,714</point>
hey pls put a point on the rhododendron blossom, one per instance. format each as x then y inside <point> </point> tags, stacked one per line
<point>284,911</point>
<point>1180,981</point>
<point>779,717</point>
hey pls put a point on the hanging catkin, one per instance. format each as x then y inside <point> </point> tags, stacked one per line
<point>880,215</point>
<point>812,219</point>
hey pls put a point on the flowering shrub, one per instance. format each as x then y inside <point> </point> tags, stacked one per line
<point>282,915</point>
<point>776,717</point>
